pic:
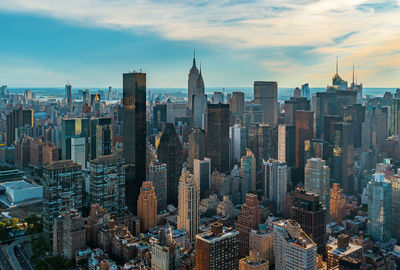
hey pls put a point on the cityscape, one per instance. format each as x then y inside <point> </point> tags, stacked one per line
<point>193,176</point>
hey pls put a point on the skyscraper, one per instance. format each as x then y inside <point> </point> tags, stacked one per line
<point>395,180</point>
<point>317,180</point>
<point>238,136</point>
<point>147,207</point>
<point>165,253</point>
<point>188,207</point>
<point>67,175</point>
<point>337,204</point>
<point>263,142</point>
<point>169,151</point>
<point>237,106</point>
<point>101,136</point>
<point>248,167</point>
<point>68,92</point>
<point>218,136</point>
<point>275,181</point>
<point>248,219</point>
<point>266,94</point>
<point>158,176</point>
<point>287,144</point>
<point>304,131</point>
<point>78,150</point>
<point>202,175</point>
<point>195,83</point>
<point>18,118</point>
<point>395,116</point>
<point>199,110</point>
<point>293,248</point>
<point>107,183</point>
<point>197,145</point>
<point>74,128</point>
<point>379,208</point>
<point>293,105</point>
<point>134,134</point>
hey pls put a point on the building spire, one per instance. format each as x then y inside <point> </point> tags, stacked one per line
<point>194,57</point>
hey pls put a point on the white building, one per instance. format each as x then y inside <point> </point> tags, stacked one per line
<point>317,180</point>
<point>78,148</point>
<point>18,192</point>
<point>275,180</point>
<point>238,136</point>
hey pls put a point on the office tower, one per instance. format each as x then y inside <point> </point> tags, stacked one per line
<point>159,115</point>
<point>18,118</point>
<point>197,145</point>
<point>199,110</point>
<point>287,144</point>
<point>317,148</point>
<point>252,114</point>
<point>107,183</point>
<point>395,116</point>
<point>68,175</point>
<point>78,150</point>
<point>349,263</point>
<point>317,180</point>
<point>338,82</point>
<point>101,137</point>
<point>202,175</point>
<point>274,186</point>
<point>395,180</point>
<point>217,249</point>
<point>3,91</point>
<point>304,131</point>
<point>226,208</point>
<point>147,207</point>
<point>238,136</point>
<point>218,97</point>
<point>158,176</point>
<point>188,206</point>
<point>253,262</point>
<point>293,105</point>
<point>343,156</point>
<point>50,153</point>
<point>329,120</point>
<point>248,168</point>
<point>342,247</point>
<point>169,151</point>
<point>218,136</point>
<point>326,104</point>
<point>22,152</point>
<point>309,212</point>
<point>266,94</point>
<point>68,96</point>
<point>263,141</point>
<point>36,153</point>
<point>293,248</point>
<point>305,91</point>
<point>354,114</point>
<point>337,204</point>
<point>248,219</point>
<point>134,128</point>
<point>195,83</point>
<point>176,110</point>
<point>73,128</point>
<point>98,218</point>
<point>374,128</point>
<point>262,240</point>
<point>237,106</point>
<point>165,253</point>
<point>69,234</point>
<point>379,208</point>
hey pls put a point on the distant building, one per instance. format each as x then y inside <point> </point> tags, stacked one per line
<point>158,176</point>
<point>317,180</point>
<point>238,136</point>
<point>202,175</point>
<point>266,94</point>
<point>237,106</point>
<point>147,207</point>
<point>18,118</point>
<point>287,144</point>
<point>263,142</point>
<point>304,131</point>
<point>337,204</point>
<point>197,144</point>
<point>248,168</point>
<point>274,184</point>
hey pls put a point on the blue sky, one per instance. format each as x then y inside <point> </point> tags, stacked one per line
<point>92,42</point>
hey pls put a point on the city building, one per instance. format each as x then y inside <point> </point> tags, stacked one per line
<point>293,248</point>
<point>248,219</point>
<point>134,128</point>
<point>196,146</point>
<point>165,254</point>
<point>107,183</point>
<point>237,105</point>
<point>304,131</point>
<point>19,117</point>
<point>202,175</point>
<point>342,247</point>
<point>101,137</point>
<point>147,206</point>
<point>238,136</point>
<point>78,150</point>
<point>262,240</point>
<point>275,179</point>
<point>69,234</point>
<point>188,206</point>
<point>337,204</point>
<point>317,180</point>
<point>226,208</point>
<point>266,94</point>
<point>293,105</point>
<point>263,142</point>
<point>74,128</point>
<point>62,191</point>
<point>287,144</point>
<point>248,168</point>
<point>158,176</point>
<point>217,249</point>
<point>253,262</point>
<point>169,151</point>
<point>195,83</point>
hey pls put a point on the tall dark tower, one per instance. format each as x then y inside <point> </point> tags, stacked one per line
<point>218,136</point>
<point>134,134</point>
<point>169,151</point>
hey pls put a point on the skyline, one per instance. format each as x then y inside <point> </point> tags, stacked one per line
<point>92,42</point>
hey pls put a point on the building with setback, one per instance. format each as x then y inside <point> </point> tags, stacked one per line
<point>147,207</point>
<point>18,118</point>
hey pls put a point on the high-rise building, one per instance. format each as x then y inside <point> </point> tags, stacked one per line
<point>158,176</point>
<point>305,91</point>
<point>68,96</point>
<point>188,207</point>
<point>74,128</point>
<point>395,180</point>
<point>195,83</point>
<point>165,253</point>
<point>304,131</point>
<point>379,208</point>
<point>202,175</point>
<point>263,142</point>
<point>266,94</point>
<point>248,168</point>
<point>342,247</point>
<point>199,109</point>
<point>159,115</point>
<point>248,219</point>
<point>308,211</point>
<point>287,144</point>
<point>293,248</point>
<point>395,116</point>
<point>238,136</point>
<point>69,234</point>
<point>62,191</point>
<point>354,114</point>
<point>337,204</point>
<point>134,134</point>
<point>147,206</point>
<point>317,180</point>
<point>101,136</point>
<point>18,118</point>
<point>317,148</point>
<point>374,128</point>
<point>78,150</point>
<point>217,249</point>
<point>237,106</point>
<point>262,240</point>
<point>169,151</point>
<point>274,186</point>
<point>293,105</point>
<point>197,145</point>
<point>107,183</point>
<point>218,136</point>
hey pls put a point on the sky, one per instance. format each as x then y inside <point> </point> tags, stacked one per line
<point>90,43</point>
